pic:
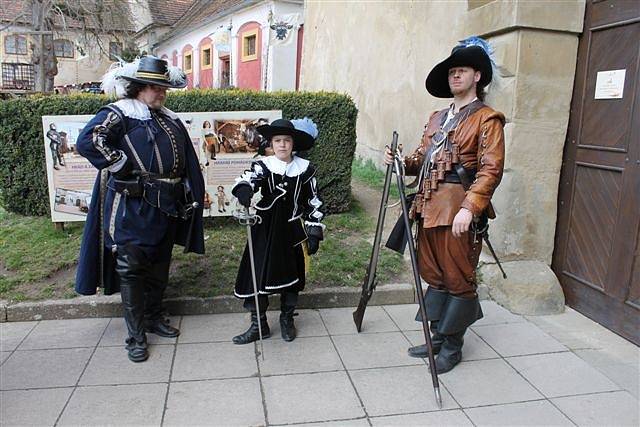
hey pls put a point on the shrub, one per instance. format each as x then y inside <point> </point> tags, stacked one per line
<point>23,179</point>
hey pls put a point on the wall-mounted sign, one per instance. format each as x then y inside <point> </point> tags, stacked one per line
<point>610,84</point>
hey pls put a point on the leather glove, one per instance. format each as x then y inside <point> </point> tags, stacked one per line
<point>244,193</point>
<point>124,171</point>
<point>313,244</point>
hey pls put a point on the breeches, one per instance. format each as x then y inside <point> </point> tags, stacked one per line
<point>447,262</point>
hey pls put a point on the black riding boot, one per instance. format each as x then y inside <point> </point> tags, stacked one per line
<point>434,301</point>
<point>155,320</point>
<point>287,328</point>
<point>458,314</point>
<point>253,334</point>
<point>131,272</point>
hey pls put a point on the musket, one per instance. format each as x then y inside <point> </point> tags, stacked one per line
<point>397,163</point>
<point>369,283</point>
<point>248,219</point>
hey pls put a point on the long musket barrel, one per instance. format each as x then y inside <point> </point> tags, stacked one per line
<point>369,282</point>
<point>416,278</point>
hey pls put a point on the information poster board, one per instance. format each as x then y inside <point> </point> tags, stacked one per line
<point>226,143</point>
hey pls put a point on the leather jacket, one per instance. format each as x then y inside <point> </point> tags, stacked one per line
<point>480,146</point>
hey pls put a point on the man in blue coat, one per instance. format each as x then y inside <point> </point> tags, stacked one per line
<point>148,196</point>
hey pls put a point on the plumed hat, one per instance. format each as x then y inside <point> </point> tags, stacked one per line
<point>147,70</point>
<point>472,52</point>
<point>303,131</point>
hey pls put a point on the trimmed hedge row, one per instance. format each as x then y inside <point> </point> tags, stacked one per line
<point>23,180</point>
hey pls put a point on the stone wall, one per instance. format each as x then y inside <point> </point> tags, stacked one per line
<point>380,54</point>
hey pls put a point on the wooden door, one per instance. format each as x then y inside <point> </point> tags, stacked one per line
<point>597,236</point>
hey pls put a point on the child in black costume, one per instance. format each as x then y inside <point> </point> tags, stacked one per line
<point>289,228</point>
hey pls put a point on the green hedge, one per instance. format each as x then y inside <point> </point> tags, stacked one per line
<point>23,179</point>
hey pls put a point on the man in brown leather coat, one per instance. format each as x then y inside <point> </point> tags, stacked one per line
<point>462,146</point>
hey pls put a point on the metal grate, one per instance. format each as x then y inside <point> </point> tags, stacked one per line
<point>18,76</point>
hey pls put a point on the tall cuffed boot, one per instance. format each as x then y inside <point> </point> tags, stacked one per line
<point>253,334</point>
<point>131,273</point>
<point>287,327</point>
<point>434,300</point>
<point>458,314</point>
<point>155,320</point>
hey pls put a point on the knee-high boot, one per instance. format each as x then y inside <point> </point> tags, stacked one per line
<point>131,270</point>
<point>458,314</point>
<point>155,320</point>
<point>434,301</point>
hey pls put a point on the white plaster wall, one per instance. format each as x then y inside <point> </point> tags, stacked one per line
<point>379,53</point>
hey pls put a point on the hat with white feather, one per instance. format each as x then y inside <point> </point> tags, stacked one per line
<point>147,70</point>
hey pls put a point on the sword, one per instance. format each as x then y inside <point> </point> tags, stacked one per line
<point>244,217</point>
<point>483,230</point>
<point>485,237</point>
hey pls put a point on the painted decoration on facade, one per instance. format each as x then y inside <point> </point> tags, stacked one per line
<point>226,144</point>
<point>281,29</point>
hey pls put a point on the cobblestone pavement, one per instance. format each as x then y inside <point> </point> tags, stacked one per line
<point>539,370</point>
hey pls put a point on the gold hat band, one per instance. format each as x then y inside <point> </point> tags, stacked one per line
<point>157,76</point>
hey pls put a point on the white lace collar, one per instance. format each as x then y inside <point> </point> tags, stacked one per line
<point>296,167</point>
<point>135,109</point>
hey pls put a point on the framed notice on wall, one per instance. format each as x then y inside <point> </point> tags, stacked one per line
<point>226,143</point>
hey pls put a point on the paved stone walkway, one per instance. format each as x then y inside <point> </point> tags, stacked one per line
<point>546,370</point>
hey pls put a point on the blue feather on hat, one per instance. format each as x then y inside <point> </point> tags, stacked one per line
<point>306,125</point>
<point>477,41</point>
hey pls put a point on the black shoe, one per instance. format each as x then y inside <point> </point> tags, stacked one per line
<point>287,327</point>
<point>445,363</point>
<point>137,350</point>
<point>162,329</point>
<point>420,351</point>
<point>253,333</point>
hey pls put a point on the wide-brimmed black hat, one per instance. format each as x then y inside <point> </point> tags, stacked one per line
<point>301,139</point>
<point>155,71</point>
<point>473,52</point>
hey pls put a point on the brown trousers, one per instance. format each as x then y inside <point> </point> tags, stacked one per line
<point>447,262</point>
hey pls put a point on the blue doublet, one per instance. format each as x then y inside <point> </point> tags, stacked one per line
<point>154,142</point>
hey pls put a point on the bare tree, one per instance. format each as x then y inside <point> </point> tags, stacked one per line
<point>94,21</point>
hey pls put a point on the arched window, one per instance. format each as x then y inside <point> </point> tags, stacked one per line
<point>64,48</point>
<point>15,45</point>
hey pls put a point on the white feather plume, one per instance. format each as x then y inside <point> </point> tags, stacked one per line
<point>112,83</point>
<point>306,125</point>
<point>176,75</point>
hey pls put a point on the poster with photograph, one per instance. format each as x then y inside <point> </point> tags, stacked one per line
<point>226,144</point>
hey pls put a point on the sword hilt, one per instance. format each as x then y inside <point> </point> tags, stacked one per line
<point>245,217</point>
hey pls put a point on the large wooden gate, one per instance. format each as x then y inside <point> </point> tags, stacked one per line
<point>597,253</point>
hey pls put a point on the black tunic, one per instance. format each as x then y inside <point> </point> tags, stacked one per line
<point>289,205</point>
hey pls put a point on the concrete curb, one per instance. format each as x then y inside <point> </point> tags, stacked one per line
<point>110,306</point>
